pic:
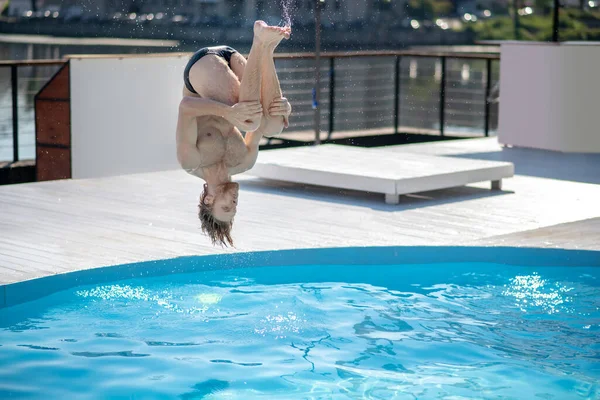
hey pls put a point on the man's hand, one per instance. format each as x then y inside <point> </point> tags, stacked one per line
<point>245,115</point>
<point>281,107</point>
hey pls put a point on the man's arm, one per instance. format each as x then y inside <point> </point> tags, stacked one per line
<point>187,137</point>
<point>252,140</point>
<point>241,115</point>
<point>198,107</point>
<point>279,107</point>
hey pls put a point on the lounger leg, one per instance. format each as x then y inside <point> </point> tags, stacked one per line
<point>497,185</point>
<point>392,198</point>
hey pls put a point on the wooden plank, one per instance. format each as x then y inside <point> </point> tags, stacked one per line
<point>573,235</point>
<point>81,235</point>
<point>33,265</point>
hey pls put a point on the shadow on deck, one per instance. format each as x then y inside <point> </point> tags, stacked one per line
<point>583,168</point>
<point>372,201</point>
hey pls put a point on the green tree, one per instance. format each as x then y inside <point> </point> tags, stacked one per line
<point>428,9</point>
<point>538,27</point>
<point>441,8</point>
<point>543,6</point>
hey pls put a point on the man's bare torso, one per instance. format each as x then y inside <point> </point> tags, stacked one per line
<point>219,142</point>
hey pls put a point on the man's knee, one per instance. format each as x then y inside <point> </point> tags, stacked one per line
<point>253,124</point>
<point>272,126</point>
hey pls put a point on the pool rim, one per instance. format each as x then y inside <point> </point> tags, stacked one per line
<point>24,291</point>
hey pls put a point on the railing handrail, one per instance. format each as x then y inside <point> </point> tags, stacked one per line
<point>393,53</point>
<point>284,56</point>
<point>30,63</point>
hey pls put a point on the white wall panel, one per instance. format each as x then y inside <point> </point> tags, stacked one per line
<point>550,96</point>
<point>124,114</point>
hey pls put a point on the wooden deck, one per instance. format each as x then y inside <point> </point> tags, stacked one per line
<point>61,226</point>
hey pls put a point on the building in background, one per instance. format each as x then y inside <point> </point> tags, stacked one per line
<point>219,12</point>
<point>18,7</point>
<point>242,12</point>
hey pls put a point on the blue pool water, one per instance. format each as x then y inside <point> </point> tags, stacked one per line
<point>434,331</point>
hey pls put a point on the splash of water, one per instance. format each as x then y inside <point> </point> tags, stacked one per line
<point>287,9</point>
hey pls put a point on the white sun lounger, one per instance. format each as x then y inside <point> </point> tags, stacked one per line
<point>375,170</point>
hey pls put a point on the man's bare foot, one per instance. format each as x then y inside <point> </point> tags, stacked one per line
<point>270,35</point>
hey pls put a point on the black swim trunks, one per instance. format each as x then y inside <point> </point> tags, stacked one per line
<point>222,51</point>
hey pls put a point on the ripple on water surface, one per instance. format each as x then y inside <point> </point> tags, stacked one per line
<point>376,332</point>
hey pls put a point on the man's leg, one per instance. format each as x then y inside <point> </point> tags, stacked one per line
<point>251,79</point>
<point>270,90</point>
<point>251,70</point>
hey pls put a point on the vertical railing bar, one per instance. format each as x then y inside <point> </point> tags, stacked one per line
<point>488,86</point>
<point>397,94</point>
<point>14,76</point>
<point>443,96</point>
<point>331,95</point>
<point>317,89</point>
<point>555,21</point>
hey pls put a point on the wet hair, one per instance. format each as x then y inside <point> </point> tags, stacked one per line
<point>219,232</point>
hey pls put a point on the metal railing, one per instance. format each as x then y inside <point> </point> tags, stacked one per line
<point>439,93</point>
<point>19,82</point>
<point>414,91</point>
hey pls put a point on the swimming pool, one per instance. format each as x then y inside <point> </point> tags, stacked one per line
<point>380,323</point>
